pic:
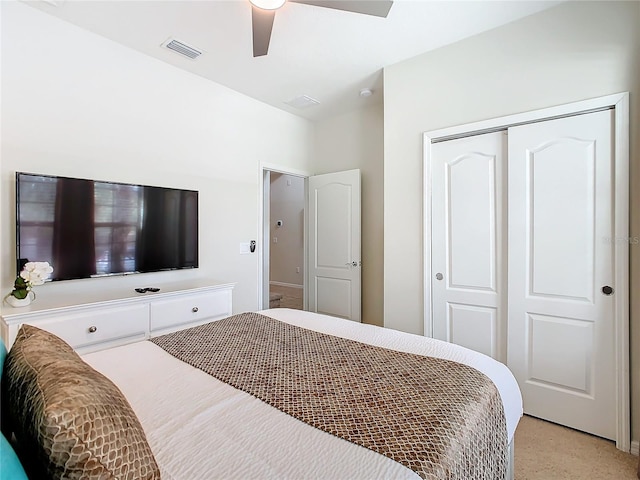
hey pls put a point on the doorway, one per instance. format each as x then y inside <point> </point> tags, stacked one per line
<point>286,240</point>
<point>543,315</point>
<point>555,325</point>
<point>330,270</point>
<point>283,253</point>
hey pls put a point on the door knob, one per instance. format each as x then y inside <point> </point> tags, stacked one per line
<point>607,290</point>
<point>439,276</point>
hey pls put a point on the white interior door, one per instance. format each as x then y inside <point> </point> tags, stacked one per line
<point>334,244</point>
<point>467,246</point>
<point>561,328</point>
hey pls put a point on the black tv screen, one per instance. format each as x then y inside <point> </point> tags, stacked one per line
<point>88,228</point>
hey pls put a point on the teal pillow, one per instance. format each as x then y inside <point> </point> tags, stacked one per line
<point>11,467</point>
<point>3,355</point>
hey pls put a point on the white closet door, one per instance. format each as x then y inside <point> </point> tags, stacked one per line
<point>561,328</point>
<point>467,243</point>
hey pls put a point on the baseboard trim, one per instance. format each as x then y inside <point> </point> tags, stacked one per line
<point>282,284</point>
<point>635,448</point>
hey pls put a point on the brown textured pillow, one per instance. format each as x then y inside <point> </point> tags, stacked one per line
<point>69,420</point>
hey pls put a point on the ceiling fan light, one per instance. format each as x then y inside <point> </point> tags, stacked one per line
<point>267,4</point>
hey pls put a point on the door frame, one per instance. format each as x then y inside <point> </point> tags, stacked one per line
<point>619,102</point>
<point>264,234</point>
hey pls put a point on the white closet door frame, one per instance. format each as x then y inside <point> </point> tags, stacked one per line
<point>620,103</point>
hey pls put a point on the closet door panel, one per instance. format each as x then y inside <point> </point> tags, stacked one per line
<point>467,242</point>
<point>473,326</point>
<point>561,338</point>
<point>560,180</point>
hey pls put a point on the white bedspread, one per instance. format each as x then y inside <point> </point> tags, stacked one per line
<point>201,428</point>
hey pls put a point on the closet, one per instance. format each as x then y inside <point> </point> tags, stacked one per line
<point>523,251</point>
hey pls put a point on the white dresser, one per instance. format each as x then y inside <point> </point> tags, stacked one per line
<point>109,318</point>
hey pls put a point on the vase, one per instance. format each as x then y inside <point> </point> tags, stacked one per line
<point>19,302</point>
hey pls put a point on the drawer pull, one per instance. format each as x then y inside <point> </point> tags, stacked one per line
<point>194,309</point>
<point>93,329</point>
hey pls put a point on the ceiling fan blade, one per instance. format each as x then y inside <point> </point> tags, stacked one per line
<point>378,8</point>
<point>262,24</point>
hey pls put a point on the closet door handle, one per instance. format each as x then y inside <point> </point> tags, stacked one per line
<point>439,276</point>
<point>607,290</point>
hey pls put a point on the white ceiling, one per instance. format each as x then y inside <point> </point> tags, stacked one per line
<point>327,54</point>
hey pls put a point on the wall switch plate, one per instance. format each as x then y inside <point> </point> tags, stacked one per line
<point>245,248</point>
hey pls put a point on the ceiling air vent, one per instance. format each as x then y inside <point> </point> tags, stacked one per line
<point>182,48</point>
<point>302,101</point>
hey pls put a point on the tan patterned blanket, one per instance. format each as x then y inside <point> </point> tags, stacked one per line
<point>442,419</point>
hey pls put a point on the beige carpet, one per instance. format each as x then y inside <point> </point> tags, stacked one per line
<point>545,451</point>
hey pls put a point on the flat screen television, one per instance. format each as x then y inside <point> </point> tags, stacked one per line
<point>89,228</point>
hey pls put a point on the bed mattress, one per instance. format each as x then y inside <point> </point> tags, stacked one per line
<point>201,428</point>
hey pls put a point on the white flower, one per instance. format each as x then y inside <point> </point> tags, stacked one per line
<point>35,273</point>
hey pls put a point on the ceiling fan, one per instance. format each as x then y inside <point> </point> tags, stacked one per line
<point>263,13</point>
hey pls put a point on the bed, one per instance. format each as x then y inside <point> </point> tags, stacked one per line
<point>198,427</point>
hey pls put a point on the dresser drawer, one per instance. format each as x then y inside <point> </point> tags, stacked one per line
<point>189,309</point>
<point>99,326</point>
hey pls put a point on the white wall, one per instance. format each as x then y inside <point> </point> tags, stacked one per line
<point>355,140</point>
<point>572,52</point>
<point>286,259</point>
<point>76,104</point>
